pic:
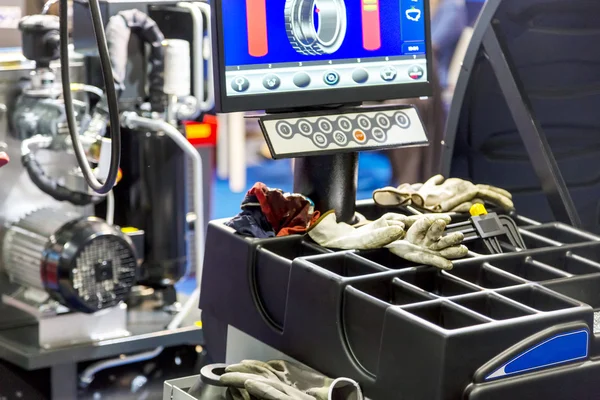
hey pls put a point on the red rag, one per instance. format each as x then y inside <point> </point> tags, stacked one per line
<point>4,159</point>
<point>282,211</point>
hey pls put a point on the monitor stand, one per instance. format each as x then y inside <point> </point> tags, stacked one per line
<point>330,181</point>
<point>325,144</point>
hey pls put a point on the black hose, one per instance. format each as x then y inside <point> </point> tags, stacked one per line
<point>118,32</point>
<point>50,186</point>
<point>111,96</point>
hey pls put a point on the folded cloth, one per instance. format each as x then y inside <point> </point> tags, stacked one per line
<point>299,228</point>
<point>283,380</point>
<point>269,212</point>
<point>284,210</point>
<point>426,244</point>
<point>443,195</point>
<point>251,221</point>
<point>329,233</point>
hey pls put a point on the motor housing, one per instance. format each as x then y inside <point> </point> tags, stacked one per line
<point>81,262</point>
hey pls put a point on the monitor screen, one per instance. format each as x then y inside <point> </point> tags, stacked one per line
<point>288,53</point>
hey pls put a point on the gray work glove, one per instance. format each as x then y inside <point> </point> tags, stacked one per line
<point>425,244</point>
<point>444,195</point>
<point>329,233</point>
<point>283,380</point>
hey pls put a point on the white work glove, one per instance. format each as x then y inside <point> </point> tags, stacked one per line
<point>444,195</point>
<point>425,244</point>
<point>328,233</point>
<point>283,380</point>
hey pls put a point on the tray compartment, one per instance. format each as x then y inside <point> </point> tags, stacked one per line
<point>271,273</point>
<point>585,289</point>
<point>433,281</point>
<point>560,233</point>
<point>386,258</point>
<point>527,268</point>
<point>392,291</point>
<point>569,262</point>
<point>537,298</point>
<point>345,264</point>
<point>291,247</point>
<point>492,306</point>
<point>483,275</point>
<point>445,315</point>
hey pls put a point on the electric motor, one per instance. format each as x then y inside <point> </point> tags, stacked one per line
<point>82,262</point>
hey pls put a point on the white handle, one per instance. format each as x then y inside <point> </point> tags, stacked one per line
<point>197,11</point>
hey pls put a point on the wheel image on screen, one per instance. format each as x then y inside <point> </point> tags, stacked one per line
<point>324,37</point>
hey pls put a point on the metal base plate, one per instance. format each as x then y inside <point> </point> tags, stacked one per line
<point>20,345</point>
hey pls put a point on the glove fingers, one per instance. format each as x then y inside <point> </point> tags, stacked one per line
<point>236,379</point>
<point>274,390</point>
<point>418,232</point>
<point>496,199</point>
<point>435,232</point>
<point>454,252</point>
<point>428,259</point>
<point>458,199</point>
<point>463,208</point>
<point>433,181</point>
<point>390,197</point>
<point>451,239</point>
<point>381,237</point>
<point>388,219</point>
<point>495,189</point>
<point>410,220</point>
<point>237,394</point>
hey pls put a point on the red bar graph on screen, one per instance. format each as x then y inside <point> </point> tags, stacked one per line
<point>371,25</point>
<point>256,18</point>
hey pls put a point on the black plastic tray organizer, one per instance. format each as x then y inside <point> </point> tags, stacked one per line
<point>516,325</point>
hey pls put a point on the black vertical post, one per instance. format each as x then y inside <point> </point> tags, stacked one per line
<point>330,181</point>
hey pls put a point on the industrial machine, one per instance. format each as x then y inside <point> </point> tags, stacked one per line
<point>515,319</point>
<point>76,250</point>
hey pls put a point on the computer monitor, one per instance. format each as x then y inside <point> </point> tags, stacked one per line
<point>286,54</point>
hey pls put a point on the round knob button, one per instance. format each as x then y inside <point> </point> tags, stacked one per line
<point>378,134</point>
<point>402,120</point>
<point>305,128</point>
<point>340,138</point>
<point>383,121</point>
<point>320,140</point>
<point>284,129</point>
<point>359,136</point>
<point>344,123</point>
<point>364,122</point>
<point>325,125</point>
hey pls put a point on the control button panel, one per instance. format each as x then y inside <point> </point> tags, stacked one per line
<point>358,129</point>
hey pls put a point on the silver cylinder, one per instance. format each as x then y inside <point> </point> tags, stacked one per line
<point>177,67</point>
<point>24,244</point>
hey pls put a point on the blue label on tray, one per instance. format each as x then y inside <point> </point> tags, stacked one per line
<point>556,350</point>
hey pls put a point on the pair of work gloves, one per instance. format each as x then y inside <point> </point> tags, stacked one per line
<point>416,238</point>
<point>283,380</point>
<point>268,212</point>
<point>440,195</point>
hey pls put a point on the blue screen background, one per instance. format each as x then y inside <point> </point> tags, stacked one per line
<point>395,29</point>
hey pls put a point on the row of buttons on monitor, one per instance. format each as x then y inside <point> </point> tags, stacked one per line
<point>302,79</point>
<point>361,128</point>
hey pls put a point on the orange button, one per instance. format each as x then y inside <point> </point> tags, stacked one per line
<point>359,136</point>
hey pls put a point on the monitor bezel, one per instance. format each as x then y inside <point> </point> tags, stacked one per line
<point>307,98</point>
